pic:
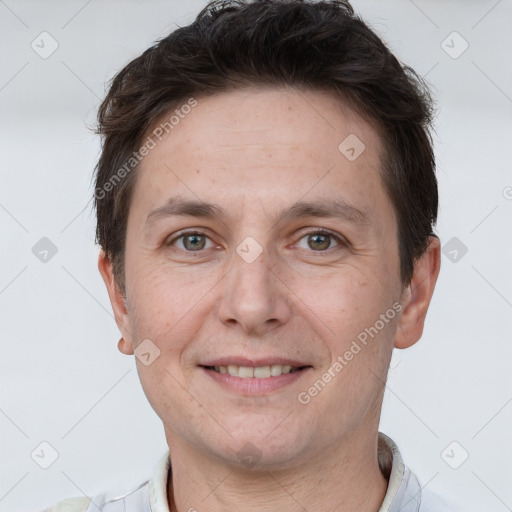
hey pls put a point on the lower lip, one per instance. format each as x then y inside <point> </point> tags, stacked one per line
<point>254,386</point>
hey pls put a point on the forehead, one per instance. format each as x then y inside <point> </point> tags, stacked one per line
<point>278,117</point>
<point>283,143</point>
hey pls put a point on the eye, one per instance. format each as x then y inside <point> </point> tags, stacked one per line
<point>320,241</point>
<point>195,241</point>
<point>191,241</point>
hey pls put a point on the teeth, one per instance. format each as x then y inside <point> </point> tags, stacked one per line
<point>276,370</point>
<point>245,372</point>
<point>259,372</point>
<point>262,372</point>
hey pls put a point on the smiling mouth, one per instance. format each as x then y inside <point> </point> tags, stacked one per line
<point>256,372</point>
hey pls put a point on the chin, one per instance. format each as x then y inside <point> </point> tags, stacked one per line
<point>274,450</point>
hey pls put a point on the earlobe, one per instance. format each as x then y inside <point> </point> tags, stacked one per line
<point>416,298</point>
<point>117,300</point>
<point>125,347</point>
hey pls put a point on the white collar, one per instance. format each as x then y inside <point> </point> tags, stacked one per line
<point>403,493</point>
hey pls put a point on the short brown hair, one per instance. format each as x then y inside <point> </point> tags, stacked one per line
<point>315,45</point>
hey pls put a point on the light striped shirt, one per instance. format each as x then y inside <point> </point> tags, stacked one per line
<point>404,492</point>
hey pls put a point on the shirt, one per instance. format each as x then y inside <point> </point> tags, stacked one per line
<point>404,492</point>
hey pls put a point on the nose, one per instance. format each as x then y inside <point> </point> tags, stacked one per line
<point>253,296</point>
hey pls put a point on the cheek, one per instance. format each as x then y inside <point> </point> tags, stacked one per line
<point>161,296</point>
<point>346,302</point>
<point>169,307</point>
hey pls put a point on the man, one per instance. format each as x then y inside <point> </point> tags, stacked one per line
<point>266,199</point>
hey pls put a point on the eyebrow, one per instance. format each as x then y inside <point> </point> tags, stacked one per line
<point>325,208</point>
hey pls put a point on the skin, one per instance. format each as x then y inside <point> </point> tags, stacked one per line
<point>255,152</point>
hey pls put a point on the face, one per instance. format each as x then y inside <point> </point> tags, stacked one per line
<point>256,243</point>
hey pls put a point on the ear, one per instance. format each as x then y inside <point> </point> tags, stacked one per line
<point>416,297</point>
<point>118,301</point>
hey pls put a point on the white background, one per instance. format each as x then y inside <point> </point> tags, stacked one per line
<point>63,380</point>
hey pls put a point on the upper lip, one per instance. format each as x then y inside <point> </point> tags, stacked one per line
<point>244,361</point>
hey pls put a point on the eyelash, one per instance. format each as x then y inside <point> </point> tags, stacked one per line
<point>339,240</point>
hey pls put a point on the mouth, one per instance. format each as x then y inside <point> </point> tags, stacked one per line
<point>256,372</point>
<point>248,377</point>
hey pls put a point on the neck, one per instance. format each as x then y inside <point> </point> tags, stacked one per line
<point>344,479</point>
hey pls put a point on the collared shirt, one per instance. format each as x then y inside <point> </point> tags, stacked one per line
<point>404,493</point>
